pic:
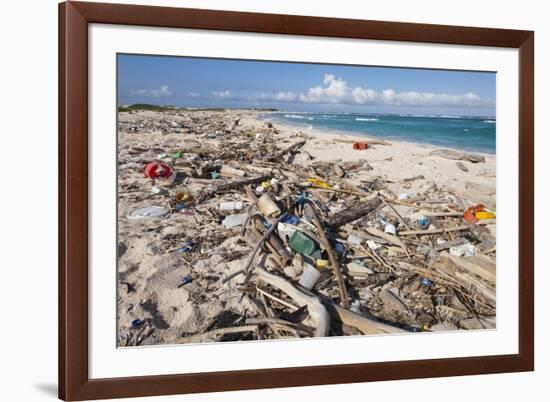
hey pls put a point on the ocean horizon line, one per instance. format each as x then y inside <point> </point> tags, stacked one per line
<point>275,110</point>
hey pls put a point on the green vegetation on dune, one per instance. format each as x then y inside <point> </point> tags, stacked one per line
<point>166,108</point>
<point>145,106</point>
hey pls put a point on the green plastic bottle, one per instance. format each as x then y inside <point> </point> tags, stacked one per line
<point>301,243</point>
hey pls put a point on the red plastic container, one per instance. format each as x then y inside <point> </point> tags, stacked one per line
<point>154,170</point>
<point>361,145</point>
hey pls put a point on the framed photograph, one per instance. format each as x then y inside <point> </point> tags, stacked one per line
<point>262,200</point>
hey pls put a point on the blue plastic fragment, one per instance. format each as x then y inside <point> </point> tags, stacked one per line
<point>301,198</point>
<point>137,323</point>
<point>423,222</point>
<point>426,281</point>
<point>185,280</point>
<point>339,248</point>
<point>180,206</point>
<point>187,247</point>
<point>291,219</point>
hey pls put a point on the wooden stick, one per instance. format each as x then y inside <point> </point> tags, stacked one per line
<point>252,254</point>
<point>291,149</point>
<point>362,323</point>
<point>337,190</point>
<point>274,242</point>
<point>377,258</point>
<point>278,300</point>
<point>333,261</point>
<point>486,291</point>
<point>269,313</point>
<point>279,321</point>
<point>469,266</point>
<point>390,238</point>
<point>316,309</point>
<point>238,183</point>
<point>352,214</point>
<point>399,217</point>
<point>432,231</point>
<point>217,332</point>
<point>435,214</point>
<point>408,204</point>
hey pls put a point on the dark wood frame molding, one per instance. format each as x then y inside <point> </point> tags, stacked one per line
<point>74,17</point>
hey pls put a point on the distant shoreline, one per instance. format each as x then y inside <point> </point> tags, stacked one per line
<point>160,107</point>
<point>262,115</point>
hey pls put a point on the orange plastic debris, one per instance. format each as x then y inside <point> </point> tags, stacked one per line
<point>470,213</point>
<point>361,145</point>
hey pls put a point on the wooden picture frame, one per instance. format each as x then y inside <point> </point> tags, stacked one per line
<point>74,381</point>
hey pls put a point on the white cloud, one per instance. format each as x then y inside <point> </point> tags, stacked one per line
<point>221,94</point>
<point>155,93</point>
<point>285,96</point>
<point>193,94</point>
<point>336,91</point>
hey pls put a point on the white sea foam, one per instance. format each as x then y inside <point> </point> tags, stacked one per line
<point>297,116</point>
<point>365,119</point>
<point>489,121</point>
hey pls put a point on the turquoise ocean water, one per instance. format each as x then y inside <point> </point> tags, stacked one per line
<point>476,134</point>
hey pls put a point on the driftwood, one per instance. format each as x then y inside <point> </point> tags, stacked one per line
<point>280,322</point>
<point>274,242</point>
<point>432,231</point>
<point>291,149</point>
<point>470,266</point>
<point>399,217</point>
<point>450,214</point>
<point>450,243</point>
<point>333,261</point>
<point>364,324</point>
<point>239,183</point>
<point>452,273</point>
<point>352,214</point>
<point>316,309</point>
<point>411,204</point>
<point>457,155</point>
<point>208,336</point>
<point>390,238</point>
<point>252,254</point>
<point>371,141</point>
<point>278,300</point>
<point>337,190</point>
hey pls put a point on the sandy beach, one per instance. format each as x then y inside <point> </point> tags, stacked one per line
<point>476,185</point>
<point>173,268</point>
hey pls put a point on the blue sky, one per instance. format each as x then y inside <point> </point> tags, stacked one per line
<point>199,82</point>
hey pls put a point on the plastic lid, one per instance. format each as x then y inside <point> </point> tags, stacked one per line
<point>147,212</point>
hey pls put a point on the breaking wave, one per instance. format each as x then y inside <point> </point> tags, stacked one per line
<point>297,116</point>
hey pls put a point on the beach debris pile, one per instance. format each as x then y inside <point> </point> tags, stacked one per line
<point>233,234</point>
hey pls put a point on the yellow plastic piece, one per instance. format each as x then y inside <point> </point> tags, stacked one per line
<point>319,183</point>
<point>320,264</point>
<point>485,215</point>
